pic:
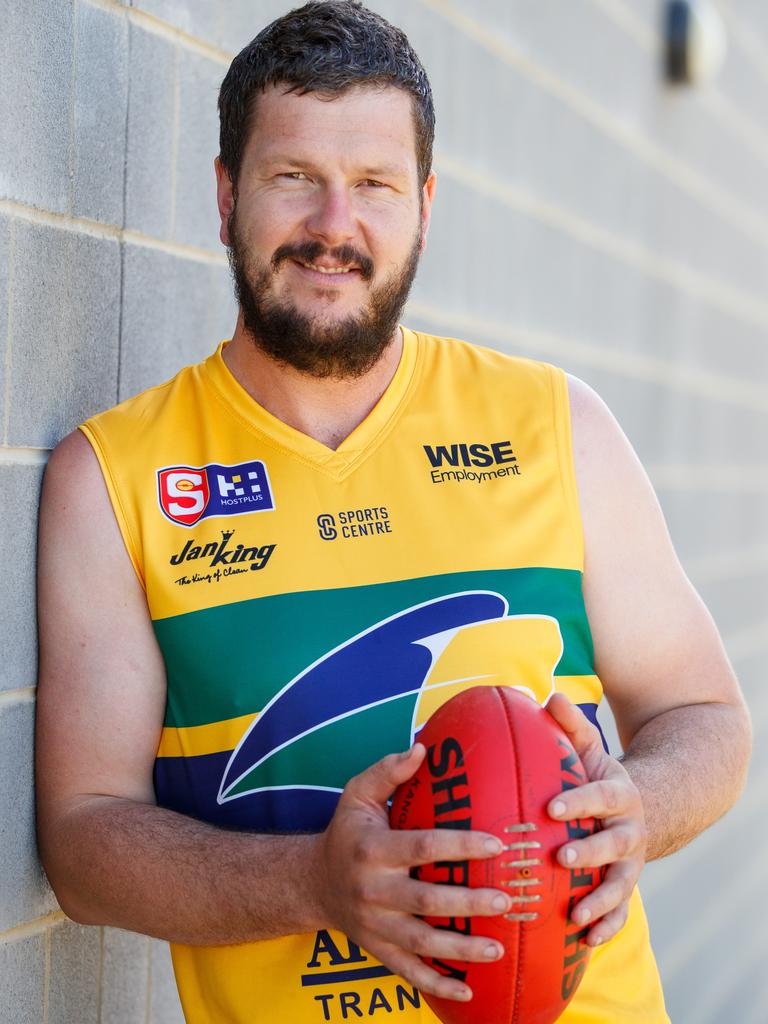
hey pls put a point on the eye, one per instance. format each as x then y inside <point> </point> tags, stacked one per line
<point>373,183</point>
<point>293,175</point>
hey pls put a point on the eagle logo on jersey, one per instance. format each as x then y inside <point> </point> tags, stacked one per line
<point>399,670</point>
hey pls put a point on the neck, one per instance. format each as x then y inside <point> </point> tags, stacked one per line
<point>326,409</point>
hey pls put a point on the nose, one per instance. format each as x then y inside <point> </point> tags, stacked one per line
<point>332,219</point>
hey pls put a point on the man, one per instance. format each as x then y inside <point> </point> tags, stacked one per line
<point>259,579</point>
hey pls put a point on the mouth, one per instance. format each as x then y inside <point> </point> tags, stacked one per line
<point>326,275</point>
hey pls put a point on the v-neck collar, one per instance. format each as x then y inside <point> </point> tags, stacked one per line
<point>355,448</point>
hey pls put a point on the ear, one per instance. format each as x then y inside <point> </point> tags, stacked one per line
<point>428,196</point>
<point>225,199</point>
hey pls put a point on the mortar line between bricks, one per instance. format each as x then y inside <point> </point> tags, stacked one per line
<point>189,252</point>
<point>24,695</point>
<point>9,331</point>
<point>633,366</point>
<point>163,28</point>
<point>707,193</point>
<point>176,132</point>
<point>625,19</point>
<point>100,977</point>
<point>148,1004</point>
<point>159,27</point>
<point>72,87</point>
<point>10,456</point>
<point>47,975</point>
<point>735,301</point>
<point>98,229</point>
<point>36,927</point>
<point>118,372</point>
<point>123,214</point>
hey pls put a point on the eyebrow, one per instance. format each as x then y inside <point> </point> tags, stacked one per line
<point>371,171</point>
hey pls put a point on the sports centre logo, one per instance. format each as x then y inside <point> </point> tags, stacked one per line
<point>384,682</point>
<point>187,494</point>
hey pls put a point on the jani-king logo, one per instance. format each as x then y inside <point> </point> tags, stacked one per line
<point>188,494</point>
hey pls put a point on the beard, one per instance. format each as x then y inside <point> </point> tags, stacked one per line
<point>343,349</point>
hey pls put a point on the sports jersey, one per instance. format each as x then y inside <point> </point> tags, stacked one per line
<point>314,607</point>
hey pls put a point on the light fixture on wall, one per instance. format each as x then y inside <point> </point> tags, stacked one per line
<point>695,41</point>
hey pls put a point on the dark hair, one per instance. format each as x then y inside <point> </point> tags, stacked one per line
<point>326,46</point>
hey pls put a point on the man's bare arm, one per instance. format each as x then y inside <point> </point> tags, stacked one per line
<point>689,764</point>
<point>114,857</point>
<point>680,714</point>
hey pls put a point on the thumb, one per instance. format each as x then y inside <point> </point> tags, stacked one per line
<point>580,731</point>
<point>376,784</point>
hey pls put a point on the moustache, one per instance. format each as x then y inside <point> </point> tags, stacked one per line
<point>309,252</point>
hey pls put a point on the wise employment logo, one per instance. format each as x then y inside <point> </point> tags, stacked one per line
<point>372,695</point>
<point>187,494</point>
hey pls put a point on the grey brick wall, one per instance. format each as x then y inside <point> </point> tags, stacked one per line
<point>612,224</point>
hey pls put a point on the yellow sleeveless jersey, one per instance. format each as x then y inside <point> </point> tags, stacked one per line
<point>313,608</point>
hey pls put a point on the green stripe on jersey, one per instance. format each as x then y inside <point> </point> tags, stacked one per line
<point>230,660</point>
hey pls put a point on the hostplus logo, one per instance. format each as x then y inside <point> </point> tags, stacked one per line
<point>187,494</point>
<point>471,463</point>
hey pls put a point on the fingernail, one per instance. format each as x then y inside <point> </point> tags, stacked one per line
<point>492,845</point>
<point>500,902</point>
<point>493,952</point>
<point>558,808</point>
<point>581,916</point>
<point>597,940</point>
<point>406,754</point>
<point>570,855</point>
<point>465,994</point>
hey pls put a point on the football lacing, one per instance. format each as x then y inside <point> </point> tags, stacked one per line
<point>523,862</point>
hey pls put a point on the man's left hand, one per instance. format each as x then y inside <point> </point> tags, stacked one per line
<point>620,845</point>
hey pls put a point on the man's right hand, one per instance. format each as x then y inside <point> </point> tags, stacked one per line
<point>367,893</point>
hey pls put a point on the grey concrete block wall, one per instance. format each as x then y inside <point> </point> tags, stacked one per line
<point>195,304</point>
<point>587,214</point>
<point>64,344</point>
<point>19,492</point>
<point>22,968</point>
<point>149,156</point>
<point>100,111</point>
<point>125,969</point>
<point>73,985</point>
<point>36,64</point>
<point>25,894</point>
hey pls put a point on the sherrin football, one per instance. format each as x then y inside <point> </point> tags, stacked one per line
<point>495,759</point>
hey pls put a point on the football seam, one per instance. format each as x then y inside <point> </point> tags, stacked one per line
<point>520,931</point>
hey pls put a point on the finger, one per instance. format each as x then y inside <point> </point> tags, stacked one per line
<point>618,841</point>
<point>429,900</point>
<point>606,798</point>
<point>606,928</point>
<point>376,784</point>
<point>580,731</point>
<point>414,847</point>
<point>615,889</point>
<point>409,967</point>
<point>442,944</point>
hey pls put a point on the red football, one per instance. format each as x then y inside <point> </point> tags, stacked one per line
<point>495,759</point>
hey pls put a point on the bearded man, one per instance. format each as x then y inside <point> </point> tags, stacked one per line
<point>260,578</point>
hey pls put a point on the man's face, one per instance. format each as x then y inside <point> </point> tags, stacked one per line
<point>330,185</point>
